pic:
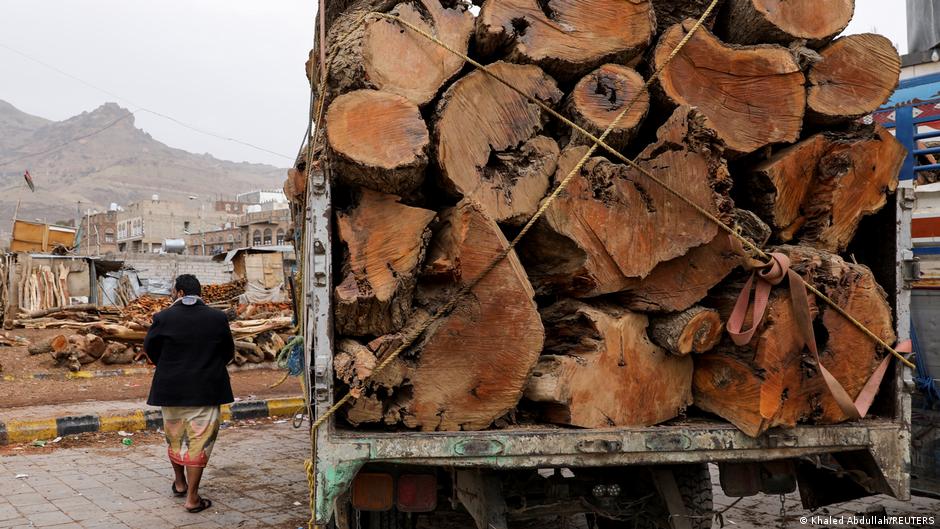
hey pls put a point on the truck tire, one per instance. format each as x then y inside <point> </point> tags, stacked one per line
<point>695,486</point>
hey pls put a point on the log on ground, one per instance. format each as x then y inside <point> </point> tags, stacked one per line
<point>601,370</point>
<point>385,243</point>
<point>752,96</point>
<point>783,21</point>
<point>772,381</point>
<point>488,143</point>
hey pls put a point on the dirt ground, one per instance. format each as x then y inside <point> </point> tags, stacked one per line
<point>24,391</point>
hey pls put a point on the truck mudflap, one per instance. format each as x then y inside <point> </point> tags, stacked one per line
<point>864,456</point>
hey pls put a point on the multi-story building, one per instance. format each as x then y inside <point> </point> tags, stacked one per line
<point>231,206</point>
<point>266,224</point>
<point>262,196</point>
<point>143,226</point>
<point>215,241</point>
<point>98,232</point>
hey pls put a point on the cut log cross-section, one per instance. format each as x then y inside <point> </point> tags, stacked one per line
<point>857,74</point>
<point>488,143</point>
<point>771,381</point>
<point>784,21</point>
<point>471,366</point>
<point>385,242</point>
<point>600,97</point>
<point>377,140</point>
<point>818,190</point>
<point>379,53</point>
<point>612,225</point>
<point>752,96</point>
<point>697,330</point>
<point>567,38</point>
<point>601,370</point>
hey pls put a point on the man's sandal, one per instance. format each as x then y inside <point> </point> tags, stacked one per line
<point>177,493</point>
<point>204,503</point>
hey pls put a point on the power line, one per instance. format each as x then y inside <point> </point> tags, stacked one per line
<point>139,109</point>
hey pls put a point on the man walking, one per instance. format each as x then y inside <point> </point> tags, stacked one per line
<point>190,343</point>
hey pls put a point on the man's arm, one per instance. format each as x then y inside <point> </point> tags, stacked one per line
<point>227,343</point>
<point>153,341</point>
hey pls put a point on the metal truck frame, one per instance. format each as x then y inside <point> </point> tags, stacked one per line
<point>874,452</point>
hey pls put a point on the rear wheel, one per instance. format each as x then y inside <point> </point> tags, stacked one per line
<point>695,487</point>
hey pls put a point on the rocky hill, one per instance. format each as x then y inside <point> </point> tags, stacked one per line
<point>121,164</point>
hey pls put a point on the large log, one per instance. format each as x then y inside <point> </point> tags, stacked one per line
<point>377,140</point>
<point>857,74</point>
<point>818,190</point>
<point>600,96</point>
<point>567,38</point>
<point>783,21</point>
<point>697,329</point>
<point>772,381</point>
<point>385,243</point>
<point>488,142</point>
<point>600,370</point>
<point>471,366</point>
<point>679,283</point>
<point>752,96</point>
<point>381,54</point>
<point>612,226</point>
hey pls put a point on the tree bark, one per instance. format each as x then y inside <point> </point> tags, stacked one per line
<point>818,190</point>
<point>599,97</point>
<point>612,225</point>
<point>783,21</point>
<point>697,330</point>
<point>382,54</point>
<point>567,38</point>
<point>772,381</point>
<point>752,96</point>
<point>857,74</point>
<point>488,143</point>
<point>679,283</point>
<point>600,370</point>
<point>497,331</point>
<point>385,243</point>
<point>377,140</point>
<point>669,12</point>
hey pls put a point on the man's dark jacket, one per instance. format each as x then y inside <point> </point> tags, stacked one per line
<point>190,345</point>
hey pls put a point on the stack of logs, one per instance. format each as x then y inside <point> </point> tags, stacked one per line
<point>611,312</point>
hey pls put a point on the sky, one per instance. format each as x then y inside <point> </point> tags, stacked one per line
<point>231,67</point>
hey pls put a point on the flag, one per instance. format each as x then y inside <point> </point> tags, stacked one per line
<point>29,181</point>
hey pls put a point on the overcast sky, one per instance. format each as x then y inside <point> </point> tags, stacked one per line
<point>233,67</point>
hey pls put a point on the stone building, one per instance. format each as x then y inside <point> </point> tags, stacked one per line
<point>143,226</point>
<point>98,232</point>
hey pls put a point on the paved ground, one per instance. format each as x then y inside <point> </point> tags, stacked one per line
<point>255,478</point>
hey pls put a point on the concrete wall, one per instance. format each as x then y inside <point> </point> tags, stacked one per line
<point>165,267</point>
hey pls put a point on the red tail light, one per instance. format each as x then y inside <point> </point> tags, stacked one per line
<point>373,492</point>
<point>417,492</point>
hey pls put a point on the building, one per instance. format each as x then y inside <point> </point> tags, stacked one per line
<point>98,232</point>
<point>233,207</point>
<point>262,196</point>
<point>266,224</point>
<point>215,241</point>
<point>143,226</point>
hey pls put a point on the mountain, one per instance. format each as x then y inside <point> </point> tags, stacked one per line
<point>120,164</point>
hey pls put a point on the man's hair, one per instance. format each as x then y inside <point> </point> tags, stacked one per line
<point>188,284</point>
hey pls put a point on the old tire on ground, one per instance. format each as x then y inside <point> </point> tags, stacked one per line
<point>695,486</point>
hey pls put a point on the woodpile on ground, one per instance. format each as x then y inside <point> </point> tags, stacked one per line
<point>612,309</point>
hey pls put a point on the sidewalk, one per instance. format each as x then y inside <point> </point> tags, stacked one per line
<point>254,479</point>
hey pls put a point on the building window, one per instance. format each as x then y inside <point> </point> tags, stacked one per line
<point>280,236</point>
<point>267,236</point>
<point>185,226</point>
<point>256,238</point>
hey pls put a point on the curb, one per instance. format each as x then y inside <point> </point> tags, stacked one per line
<point>118,372</point>
<point>25,431</point>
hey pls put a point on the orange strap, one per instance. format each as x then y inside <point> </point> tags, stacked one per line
<point>773,273</point>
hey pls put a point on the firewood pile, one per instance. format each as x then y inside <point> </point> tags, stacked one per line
<point>610,312</point>
<point>223,292</point>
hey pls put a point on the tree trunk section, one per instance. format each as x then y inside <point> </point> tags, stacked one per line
<point>612,226</point>
<point>783,21</point>
<point>818,190</point>
<point>696,330</point>
<point>773,381</point>
<point>382,54</point>
<point>385,243</point>
<point>567,38</point>
<point>752,96</point>
<point>669,12</point>
<point>497,330</point>
<point>377,140</point>
<point>600,96</point>
<point>600,370</point>
<point>857,74</point>
<point>487,141</point>
<point>679,283</point>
